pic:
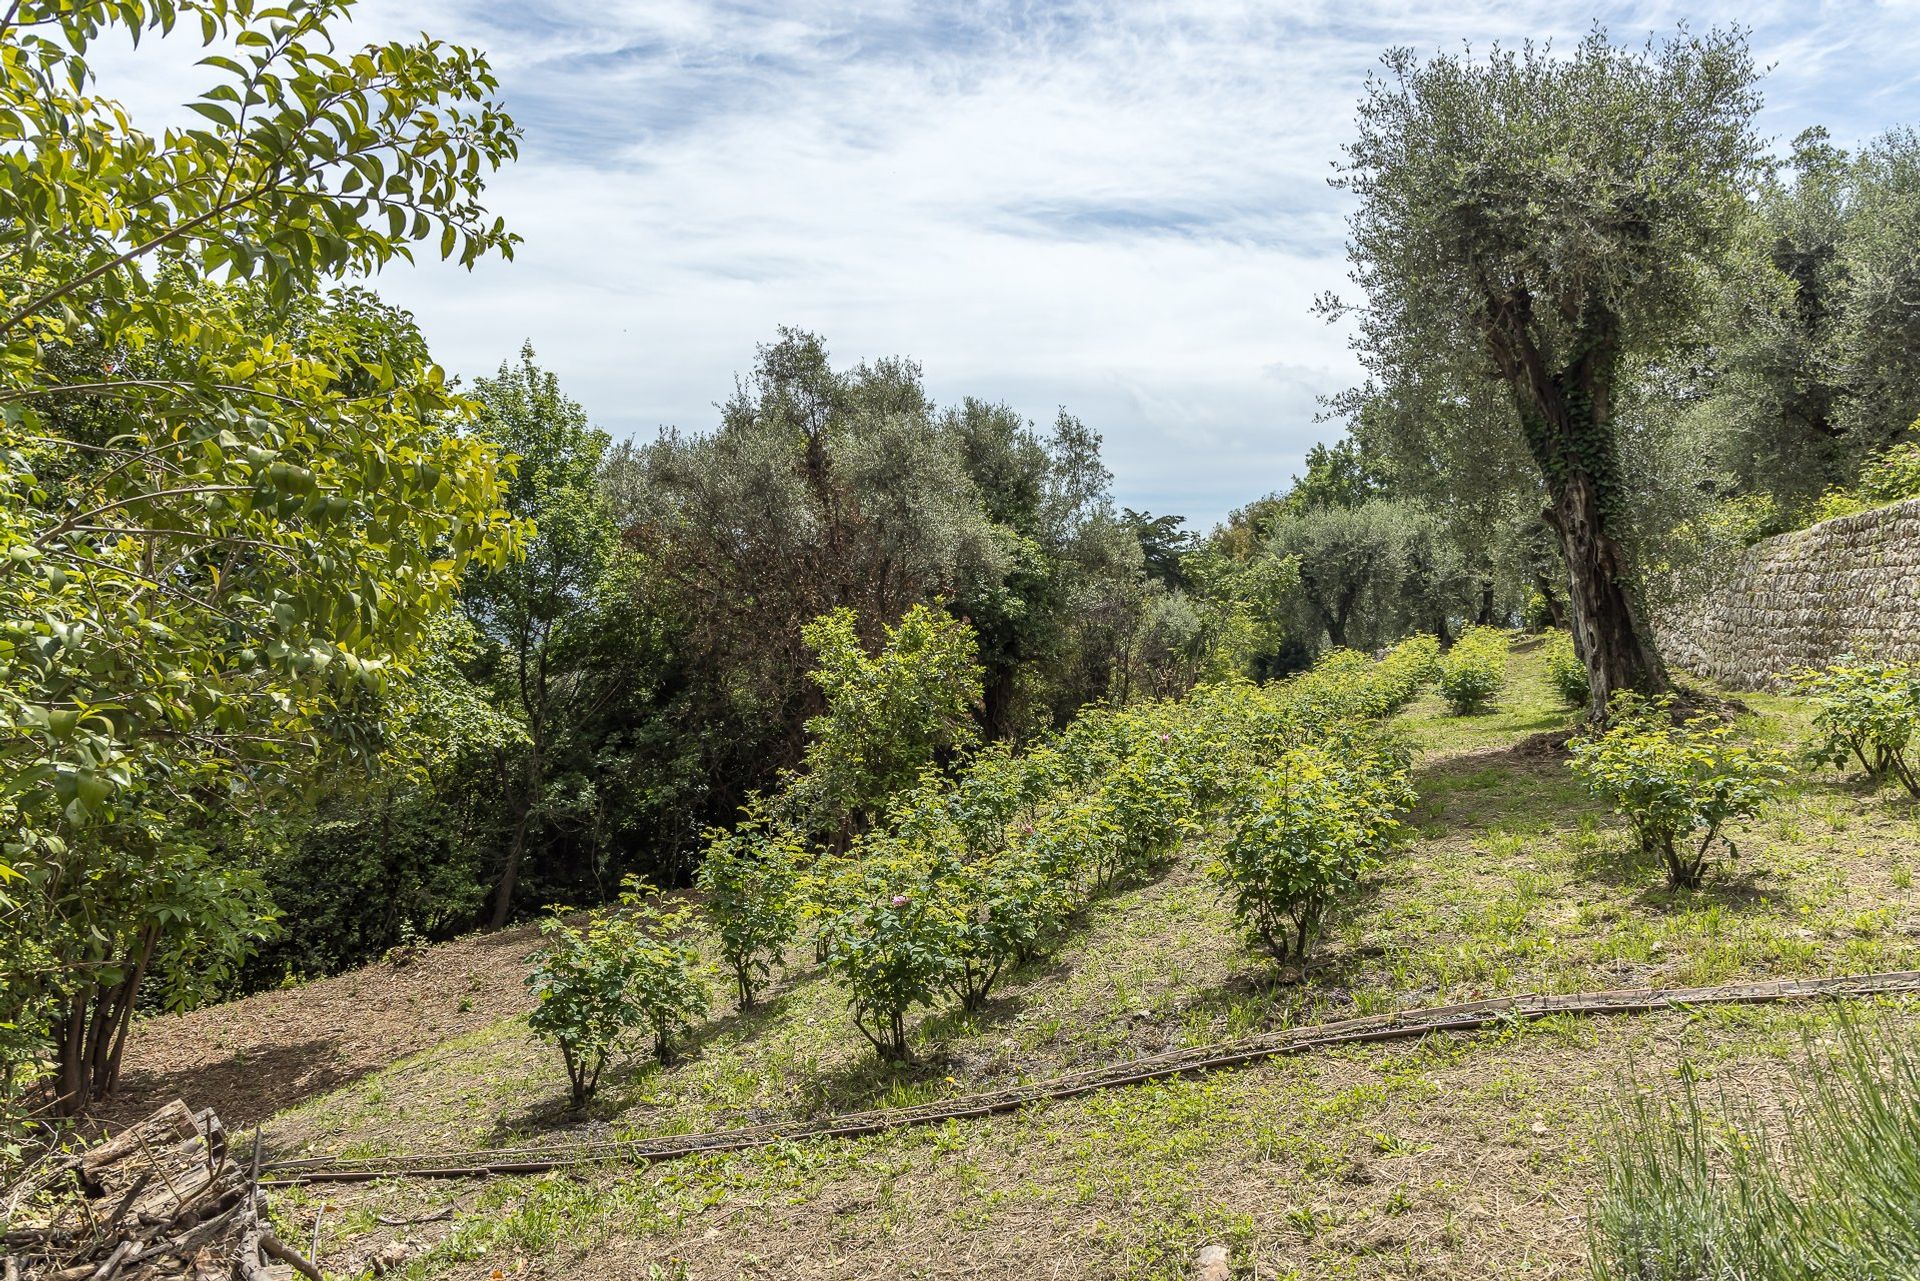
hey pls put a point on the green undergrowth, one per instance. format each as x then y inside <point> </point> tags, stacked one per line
<point>1510,879</point>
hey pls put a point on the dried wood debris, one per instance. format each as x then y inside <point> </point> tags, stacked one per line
<point>159,1200</point>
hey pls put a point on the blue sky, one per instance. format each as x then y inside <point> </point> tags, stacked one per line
<point>1117,207</point>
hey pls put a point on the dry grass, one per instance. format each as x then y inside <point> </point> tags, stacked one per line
<point>250,1058</point>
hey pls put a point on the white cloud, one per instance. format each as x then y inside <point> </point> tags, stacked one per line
<point>1120,207</point>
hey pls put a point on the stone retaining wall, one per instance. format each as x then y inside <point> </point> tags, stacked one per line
<point>1848,585</point>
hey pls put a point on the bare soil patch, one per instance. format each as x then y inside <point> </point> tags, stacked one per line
<point>250,1058</point>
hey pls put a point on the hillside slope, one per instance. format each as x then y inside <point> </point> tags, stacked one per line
<point>1467,1156</point>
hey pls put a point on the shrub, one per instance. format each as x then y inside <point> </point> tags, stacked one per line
<point>895,939</point>
<point>1149,809</point>
<point>1310,830</point>
<point>1473,671</point>
<point>1868,712</point>
<point>1893,475</point>
<point>1009,905</point>
<point>996,790</point>
<point>750,877</point>
<point>1410,667</point>
<point>1688,1195</point>
<point>1679,785</point>
<point>1565,672</point>
<point>601,984</point>
<point>889,713</point>
<point>1890,476</point>
<point>667,990</point>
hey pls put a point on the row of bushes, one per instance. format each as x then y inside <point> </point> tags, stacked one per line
<point>1473,672</point>
<point>975,873</point>
<point>974,877</point>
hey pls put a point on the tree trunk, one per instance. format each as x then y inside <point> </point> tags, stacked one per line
<point>510,872</point>
<point>1608,633</point>
<point>1556,608</point>
<point>93,1031</point>
<point>996,702</point>
<point>1566,415</point>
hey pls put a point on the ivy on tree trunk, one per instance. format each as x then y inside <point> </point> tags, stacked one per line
<point>1565,411</point>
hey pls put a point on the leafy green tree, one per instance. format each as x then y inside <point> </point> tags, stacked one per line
<point>1778,306</point>
<point>1163,546</point>
<point>1098,566</point>
<point>820,489</point>
<point>1242,594</point>
<point>384,855</point>
<point>1013,603</point>
<point>524,606</point>
<point>890,714</point>
<point>1350,561</point>
<point>218,537</point>
<point>1338,475</point>
<point>1817,321</point>
<point>1441,438</point>
<point>1879,325</point>
<point>1544,219</point>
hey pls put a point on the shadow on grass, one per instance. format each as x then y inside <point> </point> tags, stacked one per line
<point>1524,786</point>
<point>1291,994</point>
<point>249,1085</point>
<point>1622,864</point>
<point>617,1093</point>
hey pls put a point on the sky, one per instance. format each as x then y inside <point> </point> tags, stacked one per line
<point>1120,208</point>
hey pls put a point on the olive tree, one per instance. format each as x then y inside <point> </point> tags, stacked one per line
<point>1816,330</point>
<point>1555,218</point>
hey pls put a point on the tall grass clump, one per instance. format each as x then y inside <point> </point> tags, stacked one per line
<point>1473,671</point>
<point>1692,1193</point>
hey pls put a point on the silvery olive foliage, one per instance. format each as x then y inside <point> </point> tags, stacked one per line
<point>1550,221</point>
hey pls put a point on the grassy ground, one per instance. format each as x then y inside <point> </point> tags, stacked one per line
<point>1453,1158</point>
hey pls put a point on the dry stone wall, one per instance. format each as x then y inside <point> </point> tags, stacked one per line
<point>1845,586</point>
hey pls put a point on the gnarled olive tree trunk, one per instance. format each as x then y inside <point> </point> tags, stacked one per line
<point>1566,414</point>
